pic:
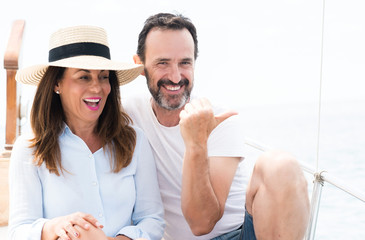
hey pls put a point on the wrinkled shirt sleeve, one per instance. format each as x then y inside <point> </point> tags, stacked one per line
<point>25,193</point>
<point>148,210</point>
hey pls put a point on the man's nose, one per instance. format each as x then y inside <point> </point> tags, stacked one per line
<point>175,74</point>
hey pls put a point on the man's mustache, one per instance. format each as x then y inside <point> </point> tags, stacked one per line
<point>169,82</point>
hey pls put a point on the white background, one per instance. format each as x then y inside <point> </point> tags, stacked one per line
<point>262,57</point>
<point>251,52</point>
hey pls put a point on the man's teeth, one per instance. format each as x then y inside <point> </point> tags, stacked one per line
<point>173,88</point>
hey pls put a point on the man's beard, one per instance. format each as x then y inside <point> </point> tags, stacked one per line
<point>169,102</point>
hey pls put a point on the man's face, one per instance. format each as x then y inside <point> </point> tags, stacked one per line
<point>169,66</point>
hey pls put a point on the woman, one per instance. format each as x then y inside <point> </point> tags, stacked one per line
<point>84,173</point>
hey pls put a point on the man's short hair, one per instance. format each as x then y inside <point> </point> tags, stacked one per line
<point>165,21</point>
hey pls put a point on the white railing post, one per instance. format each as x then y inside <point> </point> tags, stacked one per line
<point>315,202</point>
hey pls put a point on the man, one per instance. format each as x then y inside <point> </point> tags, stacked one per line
<point>198,151</point>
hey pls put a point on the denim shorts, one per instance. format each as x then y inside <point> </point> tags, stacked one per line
<point>248,232</point>
<point>245,232</point>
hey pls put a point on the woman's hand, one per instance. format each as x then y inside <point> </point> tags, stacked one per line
<point>123,237</point>
<point>63,228</point>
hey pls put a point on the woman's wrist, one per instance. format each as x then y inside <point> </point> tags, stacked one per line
<point>121,237</point>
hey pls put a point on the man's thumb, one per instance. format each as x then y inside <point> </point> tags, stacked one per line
<point>223,116</point>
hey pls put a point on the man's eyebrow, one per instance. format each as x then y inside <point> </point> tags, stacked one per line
<point>187,59</point>
<point>162,60</point>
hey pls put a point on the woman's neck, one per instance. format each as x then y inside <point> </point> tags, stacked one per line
<point>87,133</point>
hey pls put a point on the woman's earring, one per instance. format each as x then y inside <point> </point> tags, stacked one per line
<point>58,92</point>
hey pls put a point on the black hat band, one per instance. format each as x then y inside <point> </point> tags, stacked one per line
<point>78,49</point>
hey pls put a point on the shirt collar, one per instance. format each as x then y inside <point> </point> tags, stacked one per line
<point>65,129</point>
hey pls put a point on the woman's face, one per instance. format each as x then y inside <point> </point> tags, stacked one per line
<point>83,95</point>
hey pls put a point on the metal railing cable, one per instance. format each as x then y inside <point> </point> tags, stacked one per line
<point>320,177</point>
<point>324,175</point>
<point>320,88</point>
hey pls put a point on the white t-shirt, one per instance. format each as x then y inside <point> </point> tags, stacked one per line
<point>168,148</point>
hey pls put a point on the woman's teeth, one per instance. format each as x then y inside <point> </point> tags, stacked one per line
<point>92,101</point>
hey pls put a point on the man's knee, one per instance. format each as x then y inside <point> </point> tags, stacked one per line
<point>280,169</point>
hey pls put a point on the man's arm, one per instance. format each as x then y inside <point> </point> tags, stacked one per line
<point>205,190</point>
<point>206,181</point>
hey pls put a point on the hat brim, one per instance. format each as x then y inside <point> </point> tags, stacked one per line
<point>126,72</point>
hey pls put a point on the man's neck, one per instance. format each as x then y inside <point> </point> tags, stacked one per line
<point>167,118</point>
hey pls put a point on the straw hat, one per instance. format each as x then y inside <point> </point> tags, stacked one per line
<point>83,47</point>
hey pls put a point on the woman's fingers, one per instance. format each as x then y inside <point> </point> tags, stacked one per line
<point>62,234</point>
<point>68,227</point>
<point>84,221</point>
<point>71,230</point>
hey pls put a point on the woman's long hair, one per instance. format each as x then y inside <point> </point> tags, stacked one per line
<point>47,121</point>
